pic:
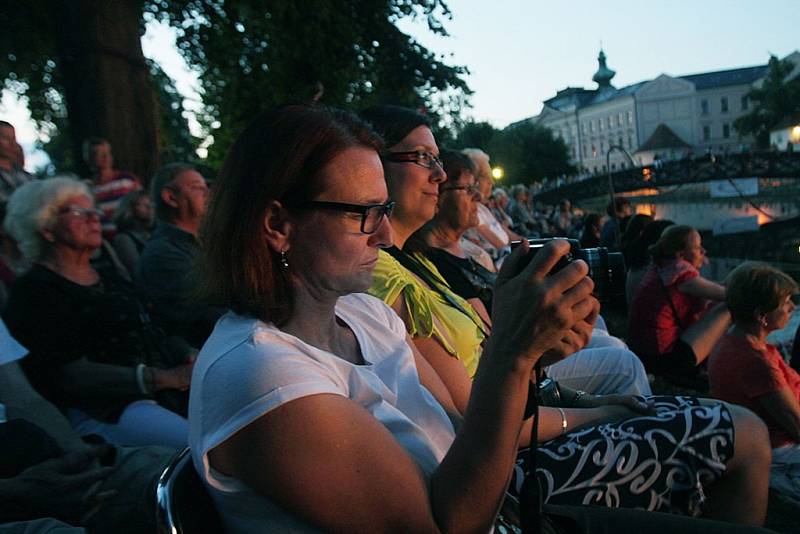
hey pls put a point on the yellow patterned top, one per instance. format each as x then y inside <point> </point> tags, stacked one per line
<point>430,315</point>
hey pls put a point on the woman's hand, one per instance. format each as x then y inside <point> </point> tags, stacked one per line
<point>535,311</point>
<point>633,403</point>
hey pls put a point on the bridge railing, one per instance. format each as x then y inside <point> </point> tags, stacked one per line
<point>684,171</point>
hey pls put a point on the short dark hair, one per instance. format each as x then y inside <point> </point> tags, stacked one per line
<point>394,123</point>
<point>280,156</point>
<point>756,286</point>
<point>5,124</point>
<point>454,164</point>
<point>615,205</point>
<point>162,179</point>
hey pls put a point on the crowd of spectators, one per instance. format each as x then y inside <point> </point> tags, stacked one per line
<point>346,310</point>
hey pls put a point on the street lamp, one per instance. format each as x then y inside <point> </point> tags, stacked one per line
<point>611,182</point>
<point>497,173</point>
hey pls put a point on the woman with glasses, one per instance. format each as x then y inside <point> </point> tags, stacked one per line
<point>310,409</point>
<point>93,351</point>
<point>590,444</point>
<point>440,239</point>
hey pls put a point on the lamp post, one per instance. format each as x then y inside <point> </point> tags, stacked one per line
<point>627,154</point>
<point>497,173</point>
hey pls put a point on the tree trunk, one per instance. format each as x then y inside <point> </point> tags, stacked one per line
<point>107,84</point>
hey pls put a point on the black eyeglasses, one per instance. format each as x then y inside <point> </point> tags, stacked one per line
<point>371,214</point>
<point>418,157</point>
<point>471,189</point>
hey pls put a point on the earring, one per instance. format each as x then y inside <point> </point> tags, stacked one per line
<point>284,263</point>
<point>763,320</point>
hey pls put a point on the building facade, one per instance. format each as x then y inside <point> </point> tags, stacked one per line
<point>669,117</point>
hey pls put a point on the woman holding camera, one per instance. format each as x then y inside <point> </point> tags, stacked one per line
<point>310,410</point>
<point>451,337</point>
<point>744,368</point>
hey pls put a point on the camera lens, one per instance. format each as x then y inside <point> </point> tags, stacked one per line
<point>607,270</point>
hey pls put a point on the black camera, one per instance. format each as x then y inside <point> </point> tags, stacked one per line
<point>606,269</point>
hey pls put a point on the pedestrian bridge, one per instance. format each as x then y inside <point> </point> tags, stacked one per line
<point>676,173</point>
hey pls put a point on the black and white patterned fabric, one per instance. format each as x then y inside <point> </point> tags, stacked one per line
<point>656,463</point>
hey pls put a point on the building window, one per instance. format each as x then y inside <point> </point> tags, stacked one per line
<point>630,117</point>
<point>594,151</point>
<point>620,120</point>
<point>583,127</point>
<point>591,126</point>
<point>704,107</point>
<point>630,142</point>
<point>609,122</point>
<point>726,131</point>
<point>723,104</point>
<point>619,142</point>
<point>745,103</point>
<point>706,133</point>
<point>600,124</point>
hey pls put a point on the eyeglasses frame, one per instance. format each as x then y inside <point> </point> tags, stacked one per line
<point>363,209</point>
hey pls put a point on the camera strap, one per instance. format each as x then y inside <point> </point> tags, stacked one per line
<point>530,495</point>
<point>435,283</point>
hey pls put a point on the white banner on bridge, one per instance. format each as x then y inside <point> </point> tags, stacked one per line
<point>733,188</point>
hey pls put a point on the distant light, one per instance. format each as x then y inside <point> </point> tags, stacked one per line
<point>497,173</point>
<point>795,135</point>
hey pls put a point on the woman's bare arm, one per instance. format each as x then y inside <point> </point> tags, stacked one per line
<point>703,288</point>
<point>783,406</point>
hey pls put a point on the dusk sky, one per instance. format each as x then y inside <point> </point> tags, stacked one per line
<point>520,52</point>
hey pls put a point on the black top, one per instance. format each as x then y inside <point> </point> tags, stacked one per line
<point>167,278</point>
<point>467,278</point>
<point>60,321</point>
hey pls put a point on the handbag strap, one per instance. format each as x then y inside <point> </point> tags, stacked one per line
<point>671,304</point>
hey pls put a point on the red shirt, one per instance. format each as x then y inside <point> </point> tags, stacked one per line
<point>653,325</point>
<point>739,372</point>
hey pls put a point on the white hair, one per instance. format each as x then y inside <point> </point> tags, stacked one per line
<point>33,207</point>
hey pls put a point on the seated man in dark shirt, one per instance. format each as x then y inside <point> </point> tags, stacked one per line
<point>166,268</point>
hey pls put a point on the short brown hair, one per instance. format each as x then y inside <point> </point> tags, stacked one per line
<point>753,287</point>
<point>280,156</point>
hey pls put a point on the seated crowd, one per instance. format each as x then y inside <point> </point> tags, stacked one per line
<point>347,336</point>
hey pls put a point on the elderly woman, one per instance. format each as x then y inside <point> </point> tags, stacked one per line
<point>451,336</point>
<point>608,367</point>
<point>93,351</point>
<point>134,220</point>
<point>744,368</point>
<point>673,326</point>
<point>310,409</point>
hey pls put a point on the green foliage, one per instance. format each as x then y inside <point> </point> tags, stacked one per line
<point>527,152</point>
<point>775,100</point>
<point>476,135</point>
<point>252,56</point>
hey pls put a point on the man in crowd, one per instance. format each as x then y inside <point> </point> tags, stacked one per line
<point>12,175</point>
<point>166,267</point>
